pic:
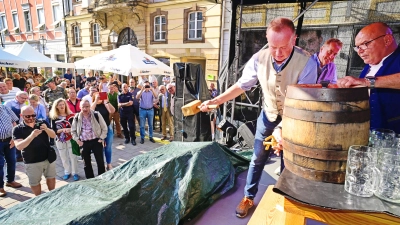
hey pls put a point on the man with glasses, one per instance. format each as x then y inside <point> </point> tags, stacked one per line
<point>165,111</point>
<point>146,111</point>
<point>376,45</point>
<point>16,105</point>
<point>84,91</point>
<point>276,67</point>
<point>7,150</point>
<point>32,138</point>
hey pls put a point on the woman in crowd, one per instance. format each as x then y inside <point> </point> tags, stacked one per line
<point>61,120</point>
<point>89,130</point>
<point>28,87</point>
<point>105,109</point>
<point>39,109</point>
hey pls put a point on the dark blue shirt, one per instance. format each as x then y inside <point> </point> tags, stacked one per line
<point>123,98</point>
<point>68,76</point>
<point>135,101</point>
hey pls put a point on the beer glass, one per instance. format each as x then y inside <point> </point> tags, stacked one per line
<point>382,138</point>
<point>388,186</point>
<point>361,172</point>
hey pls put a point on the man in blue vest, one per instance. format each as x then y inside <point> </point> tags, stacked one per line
<point>276,67</point>
<point>376,45</point>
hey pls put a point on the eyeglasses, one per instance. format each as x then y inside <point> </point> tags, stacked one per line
<point>364,46</point>
<point>29,116</point>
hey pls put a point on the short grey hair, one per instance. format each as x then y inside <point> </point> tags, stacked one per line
<point>83,102</point>
<point>19,93</point>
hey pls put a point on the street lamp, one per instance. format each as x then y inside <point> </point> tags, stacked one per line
<point>43,42</point>
<point>113,38</point>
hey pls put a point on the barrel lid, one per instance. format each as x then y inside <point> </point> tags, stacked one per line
<point>315,92</point>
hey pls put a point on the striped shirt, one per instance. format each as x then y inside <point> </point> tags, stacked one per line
<point>7,117</point>
<point>10,96</point>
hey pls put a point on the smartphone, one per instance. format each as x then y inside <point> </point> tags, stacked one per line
<point>103,95</point>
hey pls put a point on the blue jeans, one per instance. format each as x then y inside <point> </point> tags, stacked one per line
<point>260,155</point>
<point>109,140</point>
<point>7,154</point>
<point>143,114</point>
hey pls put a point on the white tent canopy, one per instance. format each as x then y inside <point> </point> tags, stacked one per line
<point>37,59</point>
<point>125,60</point>
<point>10,60</point>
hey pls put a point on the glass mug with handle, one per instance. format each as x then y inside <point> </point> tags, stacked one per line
<point>361,172</point>
<point>388,186</point>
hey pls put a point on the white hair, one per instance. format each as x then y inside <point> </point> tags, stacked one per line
<point>19,93</point>
<point>83,102</point>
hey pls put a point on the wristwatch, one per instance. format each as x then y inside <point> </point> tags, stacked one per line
<point>371,82</point>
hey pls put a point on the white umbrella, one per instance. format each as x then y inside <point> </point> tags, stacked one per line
<point>36,58</point>
<point>10,60</point>
<point>124,60</point>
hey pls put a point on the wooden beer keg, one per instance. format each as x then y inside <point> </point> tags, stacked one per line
<point>319,126</point>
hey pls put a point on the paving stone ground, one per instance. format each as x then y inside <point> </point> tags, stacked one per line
<point>120,154</point>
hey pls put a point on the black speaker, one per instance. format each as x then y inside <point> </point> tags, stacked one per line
<point>191,128</point>
<point>247,132</point>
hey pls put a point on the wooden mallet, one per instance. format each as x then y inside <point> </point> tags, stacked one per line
<point>193,108</point>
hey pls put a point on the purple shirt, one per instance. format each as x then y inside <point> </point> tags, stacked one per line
<point>146,100</point>
<point>327,72</point>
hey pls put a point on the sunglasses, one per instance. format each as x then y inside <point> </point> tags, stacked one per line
<point>30,116</point>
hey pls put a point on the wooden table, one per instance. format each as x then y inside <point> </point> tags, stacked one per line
<point>276,209</point>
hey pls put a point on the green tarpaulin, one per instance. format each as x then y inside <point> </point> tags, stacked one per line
<point>167,185</point>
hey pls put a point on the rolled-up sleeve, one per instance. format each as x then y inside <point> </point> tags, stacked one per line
<point>249,75</point>
<point>309,73</point>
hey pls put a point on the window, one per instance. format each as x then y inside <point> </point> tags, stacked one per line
<point>96,33</point>
<point>56,13</point>
<point>77,40</point>
<point>28,22</point>
<point>193,28</point>
<point>159,28</point>
<point>3,22</point>
<point>15,20</point>
<point>195,25</point>
<point>40,13</point>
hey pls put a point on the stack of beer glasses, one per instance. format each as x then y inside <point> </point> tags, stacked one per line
<point>383,157</point>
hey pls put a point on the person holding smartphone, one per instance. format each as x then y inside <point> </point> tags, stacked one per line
<point>102,105</point>
<point>146,111</point>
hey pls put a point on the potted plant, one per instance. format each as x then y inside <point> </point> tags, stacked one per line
<point>58,72</point>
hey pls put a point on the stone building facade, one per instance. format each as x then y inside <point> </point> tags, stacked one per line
<point>171,30</point>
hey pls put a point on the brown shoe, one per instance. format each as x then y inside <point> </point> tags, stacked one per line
<point>20,159</point>
<point>164,138</point>
<point>171,139</point>
<point>14,184</point>
<point>243,207</point>
<point>2,192</point>
<point>120,136</point>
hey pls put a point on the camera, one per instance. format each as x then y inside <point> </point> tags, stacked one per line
<point>147,86</point>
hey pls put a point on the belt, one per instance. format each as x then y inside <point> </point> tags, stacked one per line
<point>5,139</point>
<point>146,109</point>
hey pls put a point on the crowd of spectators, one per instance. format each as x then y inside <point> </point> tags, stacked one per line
<point>75,115</point>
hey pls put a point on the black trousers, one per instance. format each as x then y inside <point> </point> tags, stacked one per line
<point>126,120</point>
<point>97,149</point>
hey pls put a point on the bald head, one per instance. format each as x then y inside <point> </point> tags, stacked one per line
<point>27,109</point>
<point>375,42</point>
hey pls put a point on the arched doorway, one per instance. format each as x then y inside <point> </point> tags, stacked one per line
<point>127,36</point>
